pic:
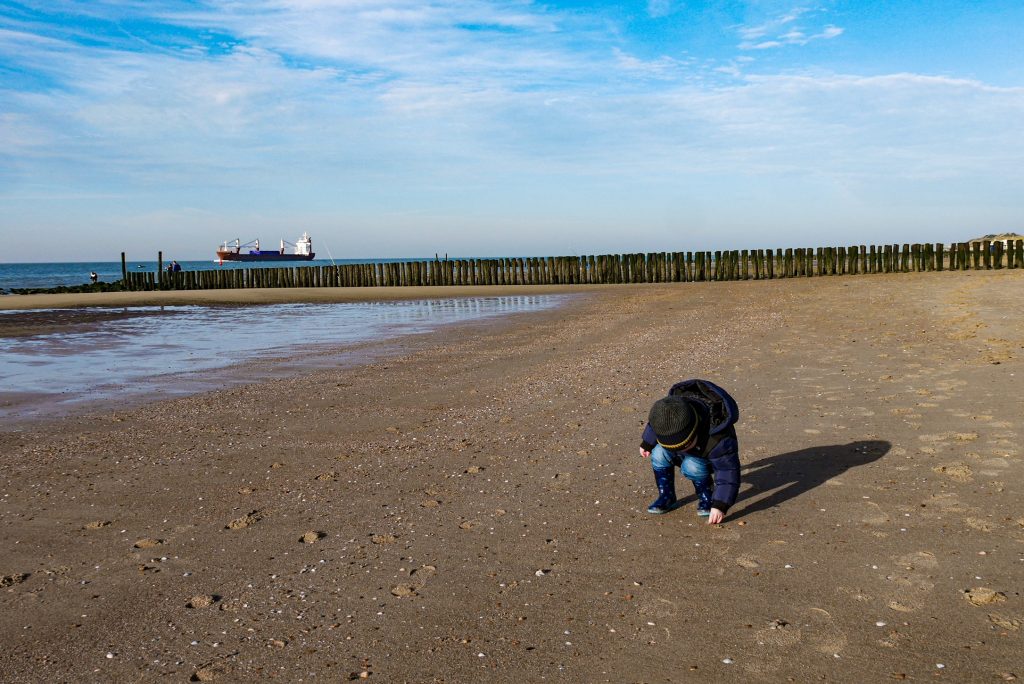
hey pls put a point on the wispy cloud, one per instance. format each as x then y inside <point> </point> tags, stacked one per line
<point>663,67</point>
<point>786,29</point>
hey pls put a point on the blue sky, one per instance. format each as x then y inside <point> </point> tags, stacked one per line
<point>505,128</point>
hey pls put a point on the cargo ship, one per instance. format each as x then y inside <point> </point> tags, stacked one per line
<point>234,250</point>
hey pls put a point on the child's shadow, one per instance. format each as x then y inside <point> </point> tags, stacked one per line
<point>789,475</point>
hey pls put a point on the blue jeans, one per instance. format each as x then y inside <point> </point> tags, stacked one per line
<point>698,470</point>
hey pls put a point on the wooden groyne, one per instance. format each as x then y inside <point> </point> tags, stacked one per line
<point>654,267</point>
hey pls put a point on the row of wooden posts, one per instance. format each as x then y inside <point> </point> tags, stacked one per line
<point>657,267</point>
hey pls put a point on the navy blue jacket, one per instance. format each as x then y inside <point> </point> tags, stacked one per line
<point>717,413</point>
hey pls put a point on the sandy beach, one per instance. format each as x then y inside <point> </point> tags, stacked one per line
<point>472,507</point>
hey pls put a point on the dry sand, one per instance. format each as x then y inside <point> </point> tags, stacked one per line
<point>472,508</point>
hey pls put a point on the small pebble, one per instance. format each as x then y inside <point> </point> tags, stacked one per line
<point>110,655</point>
<point>727,661</point>
<point>879,624</point>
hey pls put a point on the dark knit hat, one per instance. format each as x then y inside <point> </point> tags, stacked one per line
<point>674,421</point>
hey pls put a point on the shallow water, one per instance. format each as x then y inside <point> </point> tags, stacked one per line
<point>184,349</point>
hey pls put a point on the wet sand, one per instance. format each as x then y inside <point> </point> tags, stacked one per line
<point>60,360</point>
<point>472,507</point>
<point>269,296</point>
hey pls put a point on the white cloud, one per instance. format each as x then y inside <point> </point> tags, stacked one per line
<point>663,67</point>
<point>784,30</point>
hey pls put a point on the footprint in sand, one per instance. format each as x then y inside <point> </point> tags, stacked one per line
<point>747,562</point>
<point>147,543</point>
<point>980,524</point>
<point>11,580</point>
<point>812,626</point>
<point>1005,622</point>
<point>658,608</point>
<point>245,521</point>
<point>938,440</point>
<point>983,596</point>
<point>418,579</point>
<point>911,581</point>
<point>993,466</point>
<point>960,472</point>
<point>875,515</point>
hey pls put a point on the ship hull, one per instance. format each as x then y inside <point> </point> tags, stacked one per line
<point>263,256</point>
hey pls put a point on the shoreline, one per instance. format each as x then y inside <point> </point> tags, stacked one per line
<point>472,507</point>
<point>256,296</point>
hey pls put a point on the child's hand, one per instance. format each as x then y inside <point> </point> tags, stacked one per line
<point>645,454</point>
<point>715,517</point>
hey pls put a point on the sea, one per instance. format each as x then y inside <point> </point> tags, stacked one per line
<point>44,275</point>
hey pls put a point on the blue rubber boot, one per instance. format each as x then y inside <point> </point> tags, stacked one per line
<point>704,490</point>
<point>666,501</point>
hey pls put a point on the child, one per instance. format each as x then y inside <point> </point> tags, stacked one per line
<point>693,428</point>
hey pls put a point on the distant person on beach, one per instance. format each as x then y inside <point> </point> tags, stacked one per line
<point>175,267</point>
<point>693,429</point>
<point>93,276</point>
